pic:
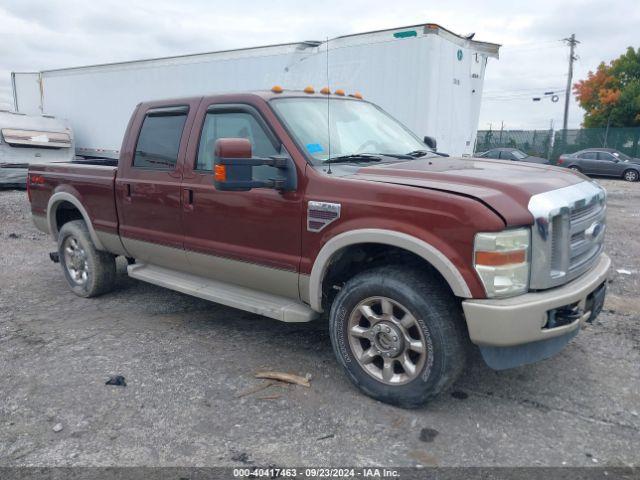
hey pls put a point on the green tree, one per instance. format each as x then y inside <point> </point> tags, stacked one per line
<point>610,96</point>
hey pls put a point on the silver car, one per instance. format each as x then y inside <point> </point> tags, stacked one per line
<point>602,161</point>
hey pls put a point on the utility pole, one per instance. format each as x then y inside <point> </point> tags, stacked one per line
<point>572,42</point>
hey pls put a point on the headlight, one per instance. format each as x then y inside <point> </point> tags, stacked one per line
<point>502,261</point>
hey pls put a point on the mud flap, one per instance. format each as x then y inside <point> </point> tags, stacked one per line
<point>501,358</point>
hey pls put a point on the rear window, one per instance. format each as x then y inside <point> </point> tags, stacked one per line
<point>159,141</point>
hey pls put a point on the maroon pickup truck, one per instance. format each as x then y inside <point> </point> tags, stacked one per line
<point>294,204</point>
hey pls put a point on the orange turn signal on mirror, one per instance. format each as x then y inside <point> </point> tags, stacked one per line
<point>220,173</point>
<point>498,259</point>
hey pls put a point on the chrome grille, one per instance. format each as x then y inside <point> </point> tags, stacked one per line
<point>568,235</point>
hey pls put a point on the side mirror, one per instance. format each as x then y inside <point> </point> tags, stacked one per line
<point>233,168</point>
<point>430,142</point>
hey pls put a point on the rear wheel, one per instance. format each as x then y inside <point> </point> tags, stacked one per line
<point>398,334</point>
<point>630,175</point>
<point>89,272</point>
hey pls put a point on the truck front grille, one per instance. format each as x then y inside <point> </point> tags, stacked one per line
<point>568,236</point>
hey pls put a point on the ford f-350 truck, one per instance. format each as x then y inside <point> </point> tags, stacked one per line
<point>291,204</point>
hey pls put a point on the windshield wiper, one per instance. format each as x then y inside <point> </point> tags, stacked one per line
<point>355,157</point>
<point>422,153</point>
<point>418,153</point>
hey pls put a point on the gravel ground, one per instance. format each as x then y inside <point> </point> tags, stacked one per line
<point>187,361</point>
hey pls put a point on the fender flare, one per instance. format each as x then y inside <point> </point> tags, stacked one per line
<point>387,237</point>
<point>52,207</point>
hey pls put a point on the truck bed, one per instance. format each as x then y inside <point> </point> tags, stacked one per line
<point>90,182</point>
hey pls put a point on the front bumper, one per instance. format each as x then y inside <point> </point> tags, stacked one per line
<point>523,320</point>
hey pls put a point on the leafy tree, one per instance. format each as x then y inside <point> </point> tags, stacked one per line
<point>611,94</point>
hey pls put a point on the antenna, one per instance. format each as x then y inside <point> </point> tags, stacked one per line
<point>328,110</point>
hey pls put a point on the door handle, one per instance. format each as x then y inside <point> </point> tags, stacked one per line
<point>187,199</point>
<point>127,192</point>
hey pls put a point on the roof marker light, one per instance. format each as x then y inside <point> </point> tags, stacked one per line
<point>276,89</point>
<point>357,95</point>
<point>309,89</point>
<point>325,91</point>
<point>339,92</point>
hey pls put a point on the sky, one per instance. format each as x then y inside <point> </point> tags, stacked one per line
<point>43,34</point>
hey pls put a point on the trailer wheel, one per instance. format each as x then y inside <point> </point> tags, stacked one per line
<point>398,333</point>
<point>89,272</point>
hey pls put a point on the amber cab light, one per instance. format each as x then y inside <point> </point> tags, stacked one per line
<point>325,91</point>
<point>309,89</point>
<point>357,95</point>
<point>339,92</point>
<point>276,89</point>
<point>220,173</point>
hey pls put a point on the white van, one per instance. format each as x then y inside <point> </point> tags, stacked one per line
<point>27,139</point>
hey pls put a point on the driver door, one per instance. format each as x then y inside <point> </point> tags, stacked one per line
<point>249,238</point>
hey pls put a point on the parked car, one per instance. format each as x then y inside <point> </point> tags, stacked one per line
<point>602,161</point>
<point>25,139</point>
<point>511,154</point>
<point>242,200</point>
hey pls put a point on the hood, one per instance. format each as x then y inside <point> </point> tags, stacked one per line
<point>532,159</point>
<point>504,186</point>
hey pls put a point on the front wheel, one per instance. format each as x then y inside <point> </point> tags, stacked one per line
<point>630,175</point>
<point>398,333</point>
<point>89,272</point>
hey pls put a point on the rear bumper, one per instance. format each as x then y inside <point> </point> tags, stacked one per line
<point>521,320</point>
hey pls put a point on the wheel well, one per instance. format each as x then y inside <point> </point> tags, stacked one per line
<point>66,212</point>
<point>631,170</point>
<point>354,259</point>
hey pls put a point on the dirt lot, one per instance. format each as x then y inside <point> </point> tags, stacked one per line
<point>186,361</point>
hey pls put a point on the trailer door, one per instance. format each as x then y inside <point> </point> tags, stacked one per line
<point>27,93</point>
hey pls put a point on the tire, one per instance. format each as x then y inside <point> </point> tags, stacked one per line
<point>630,175</point>
<point>436,320</point>
<point>89,272</point>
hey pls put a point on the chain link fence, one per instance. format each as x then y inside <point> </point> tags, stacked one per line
<point>551,144</point>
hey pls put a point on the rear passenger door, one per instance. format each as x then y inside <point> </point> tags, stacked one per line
<point>148,184</point>
<point>588,162</point>
<point>249,238</point>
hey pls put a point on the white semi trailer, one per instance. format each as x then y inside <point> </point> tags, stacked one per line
<point>426,76</point>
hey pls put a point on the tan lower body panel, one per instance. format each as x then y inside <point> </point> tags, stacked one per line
<point>273,281</point>
<point>111,243</point>
<point>257,277</point>
<point>272,306</point>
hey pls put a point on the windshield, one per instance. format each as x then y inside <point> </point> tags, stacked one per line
<point>356,127</point>
<point>519,155</point>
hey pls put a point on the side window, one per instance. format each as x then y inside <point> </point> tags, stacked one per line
<point>506,155</point>
<point>234,125</point>
<point>605,156</point>
<point>492,154</point>
<point>588,155</point>
<point>159,140</point>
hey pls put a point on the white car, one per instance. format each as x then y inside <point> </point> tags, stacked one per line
<point>28,139</point>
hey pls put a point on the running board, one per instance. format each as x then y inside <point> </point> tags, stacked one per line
<point>272,306</point>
